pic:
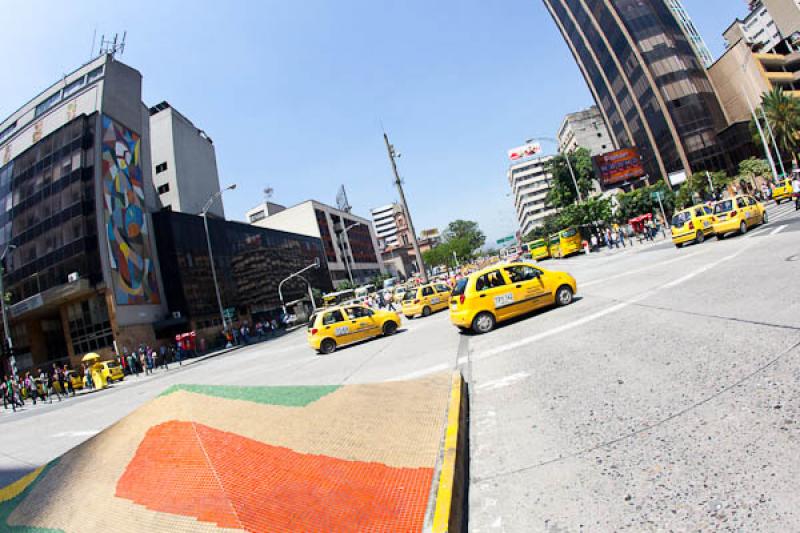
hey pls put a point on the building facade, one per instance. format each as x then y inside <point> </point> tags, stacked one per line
<point>647,81</point>
<point>349,241</point>
<point>184,162</point>
<point>250,262</point>
<point>695,39</point>
<point>75,185</point>
<point>385,225</point>
<point>769,26</point>
<point>530,182</point>
<point>585,129</point>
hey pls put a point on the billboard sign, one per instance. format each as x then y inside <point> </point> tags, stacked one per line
<point>618,166</point>
<point>524,151</point>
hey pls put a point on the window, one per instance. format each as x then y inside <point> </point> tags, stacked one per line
<point>442,288</point>
<point>255,217</point>
<point>161,167</point>
<point>521,273</point>
<point>8,131</point>
<point>332,318</point>
<point>74,87</point>
<point>489,280</point>
<point>741,203</point>
<point>163,189</point>
<point>699,212</point>
<point>359,312</point>
<point>751,200</point>
<point>427,291</point>
<point>707,210</point>
<point>47,104</point>
<point>93,75</point>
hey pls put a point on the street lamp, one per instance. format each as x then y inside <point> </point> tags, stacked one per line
<point>758,123</point>
<point>204,214</point>
<point>569,164</point>
<point>315,264</point>
<point>350,249</point>
<point>11,359</point>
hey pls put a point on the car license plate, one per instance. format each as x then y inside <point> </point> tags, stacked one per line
<point>503,299</point>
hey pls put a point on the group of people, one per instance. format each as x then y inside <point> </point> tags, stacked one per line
<point>242,334</point>
<point>39,385</point>
<point>617,236</point>
<point>145,360</point>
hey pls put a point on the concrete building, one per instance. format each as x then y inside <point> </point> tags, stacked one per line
<point>349,241</point>
<point>184,162</point>
<point>530,183</point>
<point>385,224</point>
<point>696,40</point>
<point>769,26</point>
<point>585,129</point>
<point>77,197</point>
<point>647,80</point>
<point>262,211</point>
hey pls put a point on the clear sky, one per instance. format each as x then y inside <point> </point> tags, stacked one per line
<point>295,93</point>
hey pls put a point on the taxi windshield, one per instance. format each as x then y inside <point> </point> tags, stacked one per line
<point>460,287</point>
<point>555,239</point>
<point>681,218</point>
<point>567,233</point>
<point>724,206</point>
<point>537,244</point>
<point>410,295</point>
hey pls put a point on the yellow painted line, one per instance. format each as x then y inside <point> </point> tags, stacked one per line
<point>444,494</point>
<point>15,489</point>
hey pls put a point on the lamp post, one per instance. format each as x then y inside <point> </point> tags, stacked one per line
<point>204,214</point>
<point>350,249</point>
<point>11,359</point>
<point>569,164</point>
<point>315,264</point>
<point>758,124</point>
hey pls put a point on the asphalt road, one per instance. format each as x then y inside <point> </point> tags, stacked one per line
<point>665,398</point>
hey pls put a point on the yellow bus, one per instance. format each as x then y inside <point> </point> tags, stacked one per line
<point>565,243</point>
<point>336,298</point>
<point>538,249</point>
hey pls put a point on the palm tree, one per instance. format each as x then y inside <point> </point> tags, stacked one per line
<point>783,113</point>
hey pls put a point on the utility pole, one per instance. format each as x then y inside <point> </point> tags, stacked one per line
<point>392,156</point>
<point>12,361</point>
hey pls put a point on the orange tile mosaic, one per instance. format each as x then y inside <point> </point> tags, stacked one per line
<point>189,469</point>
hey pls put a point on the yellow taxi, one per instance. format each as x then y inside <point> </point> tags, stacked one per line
<point>783,191</point>
<point>425,299</point>
<point>110,370</point>
<point>692,224</point>
<point>399,293</point>
<point>345,324</point>
<point>739,213</point>
<point>502,292</point>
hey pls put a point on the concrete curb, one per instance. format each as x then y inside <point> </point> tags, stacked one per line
<point>449,511</point>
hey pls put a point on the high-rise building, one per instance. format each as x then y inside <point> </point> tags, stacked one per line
<point>768,26</point>
<point>530,183</point>
<point>385,224</point>
<point>585,129</point>
<point>184,162</point>
<point>77,193</point>
<point>696,40</point>
<point>647,80</point>
<point>349,241</point>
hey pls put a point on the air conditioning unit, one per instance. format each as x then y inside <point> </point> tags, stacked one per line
<point>176,314</point>
<point>73,277</point>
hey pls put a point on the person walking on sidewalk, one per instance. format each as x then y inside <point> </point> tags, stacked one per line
<point>87,374</point>
<point>30,387</point>
<point>44,382</point>
<point>61,377</point>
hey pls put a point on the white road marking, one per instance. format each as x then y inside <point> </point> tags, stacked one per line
<point>503,382</point>
<point>423,372</point>
<point>637,270</point>
<point>607,311</point>
<point>87,433</point>
<point>778,229</point>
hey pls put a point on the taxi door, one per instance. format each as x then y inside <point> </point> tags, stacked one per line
<point>442,295</point>
<point>427,296</point>
<point>362,324</point>
<point>702,219</point>
<point>336,325</point>
<point>495,294</point>
<point>529,289</point>
<point>758,214</point>
<point>748,214</point>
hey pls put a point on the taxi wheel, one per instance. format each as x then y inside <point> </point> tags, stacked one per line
<point>426,311</point>
<point>720,236</point>
<point>700,237</point>
<point>742,228</point>
<point>389,328</point>
<point>327,346</point>
<point>483,323</point>
<point>764,218</point>
<point>678,245</point>
<point>564,295</point>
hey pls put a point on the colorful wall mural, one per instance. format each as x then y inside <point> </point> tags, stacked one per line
<point>129,249</point>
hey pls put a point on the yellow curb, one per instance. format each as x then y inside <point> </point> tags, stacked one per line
<point>15,489</point>
<point>444,494</point>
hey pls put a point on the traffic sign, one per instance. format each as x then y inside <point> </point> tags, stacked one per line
<point>229,313</point>
<point>506,240</point>
<point>656,195</point>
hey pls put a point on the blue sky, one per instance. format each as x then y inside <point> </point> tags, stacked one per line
<point>294,93</point>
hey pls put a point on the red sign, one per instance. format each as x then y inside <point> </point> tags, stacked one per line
<point>619,166</point>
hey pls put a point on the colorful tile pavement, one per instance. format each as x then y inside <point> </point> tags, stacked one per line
<point>215,458</point>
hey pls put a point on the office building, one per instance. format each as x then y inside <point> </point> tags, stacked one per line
<point>184,162</point>
<point>250,262</point>
<point>385,225</point>
<point>769,26</point>
<point>695,39</point>
<point>349,241</point>
<point>262,211</point>
<point>585,129</point>
<point>530,183</point>
<point>647,80</point>
<point>77,193</point>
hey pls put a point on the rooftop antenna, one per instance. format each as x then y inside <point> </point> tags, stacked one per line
<point>268,192</point>
<point>113,46</point>
<point>94,40</point>
<point>341,200</point>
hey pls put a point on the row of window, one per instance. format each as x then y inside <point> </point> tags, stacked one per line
<point>67,91</point>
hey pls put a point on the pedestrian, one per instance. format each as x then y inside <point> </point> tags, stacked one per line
<point>68,378</point>
<point>164,354</point>
<point>45,383</point>
<point>29,385</point>
<point>594,242</point>
<point>4,390</point>
<point>60,379</point>
<point>11,391</point>
<point>87,374</point>
<point>796,191</point>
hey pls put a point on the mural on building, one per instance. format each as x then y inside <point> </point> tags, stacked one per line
<point>129,249</point>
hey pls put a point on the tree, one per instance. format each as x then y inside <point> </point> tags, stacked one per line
<point>640,201</point>
<point>783,113</point>
<point>562,192</point>
<point>697,189</point>
<point>464,229</point>
<point>753,168</point>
